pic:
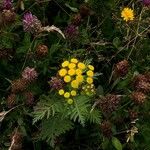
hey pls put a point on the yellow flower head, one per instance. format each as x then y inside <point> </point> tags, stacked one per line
<point>67,95</point>
<point>91,67</point>
<point>81,65</point>
<point>73,93</point>
<point>67,78</point>
<point>127,14</point>
<point>75,84</point>
<point>61,92</point>
<point>74,60</point>
<point>65,64</point>
<point>70,101</point>
<point>71,65</point>
<point>79,78</point>
<point>62,72</point>
<point>71,72</point>
<point>90,73</point>
<point>89,80</point>
<point>78,71</point>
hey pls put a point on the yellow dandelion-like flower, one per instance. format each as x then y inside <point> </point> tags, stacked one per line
<point>81,65</point>
<point>73,93</point>
<point>62,72</point>
<point>78,71</point>
<point>91,67</point>
<point>61,92</point>
<point>71,65</point>
<point>71,72</point>
<point>79,78</point>
<point>74,60</point>
<point>90,73</point>
<point>65,64</point>
<point>67,78</point>
<point>70,101</point>
<point>89,80</point>
<point>75,84</point>
<point>127,14</point>
<point>67,95</point>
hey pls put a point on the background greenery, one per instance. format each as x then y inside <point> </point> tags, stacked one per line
<point>104,39</point>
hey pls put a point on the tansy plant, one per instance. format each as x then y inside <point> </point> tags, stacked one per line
<point>78,78</point>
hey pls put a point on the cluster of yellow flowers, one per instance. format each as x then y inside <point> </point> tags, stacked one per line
<point>127,14</point>
<point>74,74</point>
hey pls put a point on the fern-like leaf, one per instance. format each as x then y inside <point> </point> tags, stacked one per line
<point>94,116</point>
<point>47,107</point>
<point>81,105</point>
<point>54,127</point>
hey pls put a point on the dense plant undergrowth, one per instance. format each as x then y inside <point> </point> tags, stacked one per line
<point>74,75</point>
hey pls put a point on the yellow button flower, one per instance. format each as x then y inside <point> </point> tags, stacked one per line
<point>67,78</point>
<point>75,84</point>
<point>65,64</point>
<point>90,73</point>
<point>81,65</point>
<point>71,72</point>
<point>91,67</point>
<point>74,60</point>
<point>127,14</point>
<point>89,80</point>
<point>73,93</point>
<point>78,71</point>
<point>61,92</point>
<point>79,78</point>
<point>62,72</point>
<point>67,95</point>
<point>70,101</point>
<point>71,65</point>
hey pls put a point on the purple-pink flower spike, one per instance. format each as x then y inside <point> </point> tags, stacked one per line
<point>7,4</point>
<point>146,2</point>
<point>31,23</point>
<point>29,74</point>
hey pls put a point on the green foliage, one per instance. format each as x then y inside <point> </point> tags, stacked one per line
<point>95,33</point>
<point>54,127</point>
<point>80,110</point>
<point>116,143</point>
<point>47,107</point>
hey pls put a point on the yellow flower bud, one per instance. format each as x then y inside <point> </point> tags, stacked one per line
<point>61,92</point>
<point>67,78</point>
<point>71,72</point>
<point>65,64</point>
<point>81,65</point>
<point>67,95</point>
<point>78,71</point>
<point>91,67</point>
<point>90,73</point>
<point>71,65</point>
<point>74,60</point>
<point>73,93</point>
<point>62,72</point>
<point>89,80</point>
<point>70,101</point>
<point>75,84</point>
<point>79,78</point>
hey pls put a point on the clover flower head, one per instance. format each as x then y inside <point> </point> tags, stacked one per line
<point>31,23</point>
<point>29,74</point>
<point>146,2</point>
<point>71,32</point>
<point>7,4</point>
<point>56,83</point>
<point>127,14</point>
